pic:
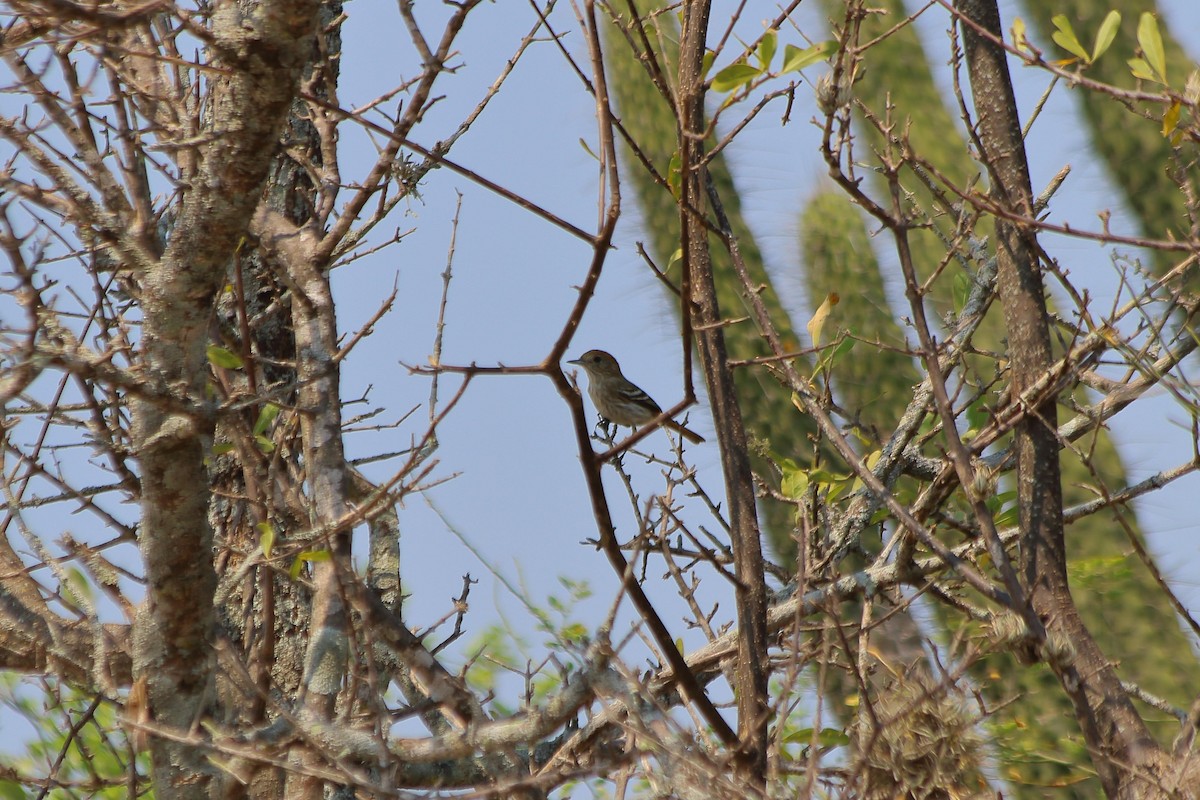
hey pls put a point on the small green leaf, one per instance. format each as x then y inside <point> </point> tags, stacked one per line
<point>1065,37</point>
<point>265,417</point>
<point>766,49</point>
<point>795,480</point>
<point>1106,34</point>
<point>308,556</point>
<point>1101,573</point>
<point>676,258</point>
<point>1141,69</point>
<point>961,288</point>
<point>265,445</point>
<point>831,737</point>
<point>76,589</point>
<point>675,174</point>
<point>707,62</point>
<point>266,537</point>
<point>734,76</point>
<point>220,357</point>
<point>575,632</point>
<point>222,448</point>
<point>795,59</point>
<point>826,737</point>
<point>869,462</point>
<point>587,149</point>
<point>1151,43</point>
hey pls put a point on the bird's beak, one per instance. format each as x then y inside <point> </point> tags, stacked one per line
<point>578,361</point>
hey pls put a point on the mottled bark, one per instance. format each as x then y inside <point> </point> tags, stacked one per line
<point>699,285</point>
<point>263,50</point>
<point>1126,757</point>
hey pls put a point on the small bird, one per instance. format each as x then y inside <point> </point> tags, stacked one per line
<point>618,400</point>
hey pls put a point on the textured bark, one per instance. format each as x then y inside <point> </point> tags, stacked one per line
<point>750,686</point>
<point>263,52</point>
<point>1129,762</point>
<point>1131,618</point>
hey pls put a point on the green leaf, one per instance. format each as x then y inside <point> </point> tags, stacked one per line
<point>736,75</point>
<point>1106,34</point>
<point>869,462</point>
<point>1151,43</point>
<point>220,357</point>
<point>1141,69</point>
<point>307,557</point>
<point>961,288</point>
<point>12,791</point>
<point>795,480</point>
<point>76,589</point>
<point>826,737</point>
<point>676,258</point>
<point>587,149</point>
<point>266,537</point>
<point>222,448</point>
<point>1065,37</point>
<point>1100,572</point>
<point>795,59</point>
<point>265,445</point>
<point>978,414</point>
<point>832,355</point>
<point>766,49</point>
<point>675,175</point>
<point>575,632</point>
<point>265,417</point>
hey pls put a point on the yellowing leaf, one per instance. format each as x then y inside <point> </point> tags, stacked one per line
<point>1171,120</point>
<point>1018,34</point>
<point>818,319</point>
<point>1106,34</point>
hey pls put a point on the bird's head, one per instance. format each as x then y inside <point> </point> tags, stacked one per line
<point>597,362</point>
